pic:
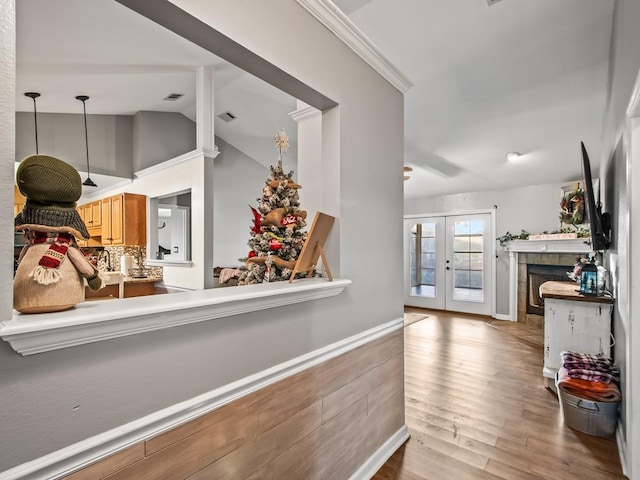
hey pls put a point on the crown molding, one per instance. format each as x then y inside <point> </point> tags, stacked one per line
<point>327,13</point>
<point>305,113</point>
<point>199,152</point>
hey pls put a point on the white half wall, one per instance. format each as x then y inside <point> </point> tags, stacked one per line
<point>54,399</point>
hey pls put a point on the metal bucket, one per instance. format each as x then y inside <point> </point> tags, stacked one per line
<point>594,418</point>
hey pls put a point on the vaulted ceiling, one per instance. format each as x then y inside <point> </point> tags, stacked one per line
<point>519,75</point>
<point>126,63</point>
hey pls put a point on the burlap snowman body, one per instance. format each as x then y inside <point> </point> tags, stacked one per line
<point>51,269</point>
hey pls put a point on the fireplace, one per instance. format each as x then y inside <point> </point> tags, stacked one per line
<point>536,276</point>
<point>544,266</point>
<point>561,252</point>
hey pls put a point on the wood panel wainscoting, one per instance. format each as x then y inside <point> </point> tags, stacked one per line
<point>323,422</point>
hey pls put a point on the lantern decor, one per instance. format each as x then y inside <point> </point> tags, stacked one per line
<point>589,279</point>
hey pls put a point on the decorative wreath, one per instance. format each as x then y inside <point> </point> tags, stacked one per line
<point>572,207</point>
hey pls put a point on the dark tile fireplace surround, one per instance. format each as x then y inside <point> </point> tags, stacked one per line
<point>533,270</point>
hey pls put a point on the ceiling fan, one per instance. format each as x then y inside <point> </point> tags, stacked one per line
<point>407,170</point>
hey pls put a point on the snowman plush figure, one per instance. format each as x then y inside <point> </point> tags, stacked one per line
<point>51,269</point>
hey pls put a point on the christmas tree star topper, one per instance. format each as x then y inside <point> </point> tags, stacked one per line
<point>282,142</point>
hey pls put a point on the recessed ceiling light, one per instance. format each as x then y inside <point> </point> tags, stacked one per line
<point>511,156</point>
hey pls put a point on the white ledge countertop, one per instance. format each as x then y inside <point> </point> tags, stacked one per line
<point>103,320</point>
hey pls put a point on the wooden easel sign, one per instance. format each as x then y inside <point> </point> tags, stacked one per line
<point>313,247</point>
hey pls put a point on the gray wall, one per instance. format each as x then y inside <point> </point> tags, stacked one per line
<point>614,168</point>
<point>160,136</point>
<point>615,260</point>
<point>62,135</point>
<point>118,144</point>
<point>238,182</point>
<point>534,209</point>
<point>51,400</point>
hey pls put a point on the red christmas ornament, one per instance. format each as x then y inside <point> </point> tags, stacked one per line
<point>289,220</point>
<point>251,254</point>
<point>275,244</point>
<point>257,218</point>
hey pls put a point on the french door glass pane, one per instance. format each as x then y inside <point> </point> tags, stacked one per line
<point>423,259</point>
<point>428,276</point>
<point>428,260</point>
<point>467,260</point>
<point>475,243</point>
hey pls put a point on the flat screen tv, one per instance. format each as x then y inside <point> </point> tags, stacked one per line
<point>598,221</point>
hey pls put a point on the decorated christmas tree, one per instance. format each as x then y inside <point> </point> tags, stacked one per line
<point>276,234</point>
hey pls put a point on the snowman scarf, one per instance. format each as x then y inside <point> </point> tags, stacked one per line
<point>46,272</point>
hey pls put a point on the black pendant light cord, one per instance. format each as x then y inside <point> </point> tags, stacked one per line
<point>33,96</point>
<point>83,98</point>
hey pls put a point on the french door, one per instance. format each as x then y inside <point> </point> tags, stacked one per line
<point>449,263</point>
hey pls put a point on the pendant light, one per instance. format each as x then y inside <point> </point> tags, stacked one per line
<point>33,96</point>
<point>83,98</point>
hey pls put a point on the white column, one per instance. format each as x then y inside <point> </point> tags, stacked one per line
<point>309,120</point>
<point>513,286</point>
<point>205,140</point>
<point>205,127</point>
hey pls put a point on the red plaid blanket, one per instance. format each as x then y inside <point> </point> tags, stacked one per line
<point>590,367</point>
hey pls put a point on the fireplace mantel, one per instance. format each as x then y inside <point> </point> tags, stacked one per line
<point>576,245</point>
<point>515,247</point>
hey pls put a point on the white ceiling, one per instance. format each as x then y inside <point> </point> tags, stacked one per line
<point>521,75</point>
<point>126,63</point>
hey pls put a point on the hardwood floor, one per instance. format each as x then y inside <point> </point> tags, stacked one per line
<point>476,408</point>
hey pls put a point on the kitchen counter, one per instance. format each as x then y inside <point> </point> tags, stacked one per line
<point>152,279</point>
<point>119,286</point>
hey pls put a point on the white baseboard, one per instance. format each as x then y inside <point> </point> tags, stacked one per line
<point>622,449</point>
<point>369,468</point>
<point>501,316</point>
<point>93,449</point>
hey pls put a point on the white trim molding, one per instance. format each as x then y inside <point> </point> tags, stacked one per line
<point>185,157</point>
<point>105,319</point>
<point>328,13</point>
<point>81,454</point>
<point>622,449</point>
<point>305,113</point>
<point>369,468</point>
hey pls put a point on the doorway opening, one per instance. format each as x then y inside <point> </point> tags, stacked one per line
<point>449,262</point>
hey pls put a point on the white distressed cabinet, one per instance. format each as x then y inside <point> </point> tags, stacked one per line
<point>573,322</point>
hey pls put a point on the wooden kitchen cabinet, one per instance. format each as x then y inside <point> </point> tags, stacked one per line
<point>92,216</point>
<point>18,201</point>
<point>124,219</point>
